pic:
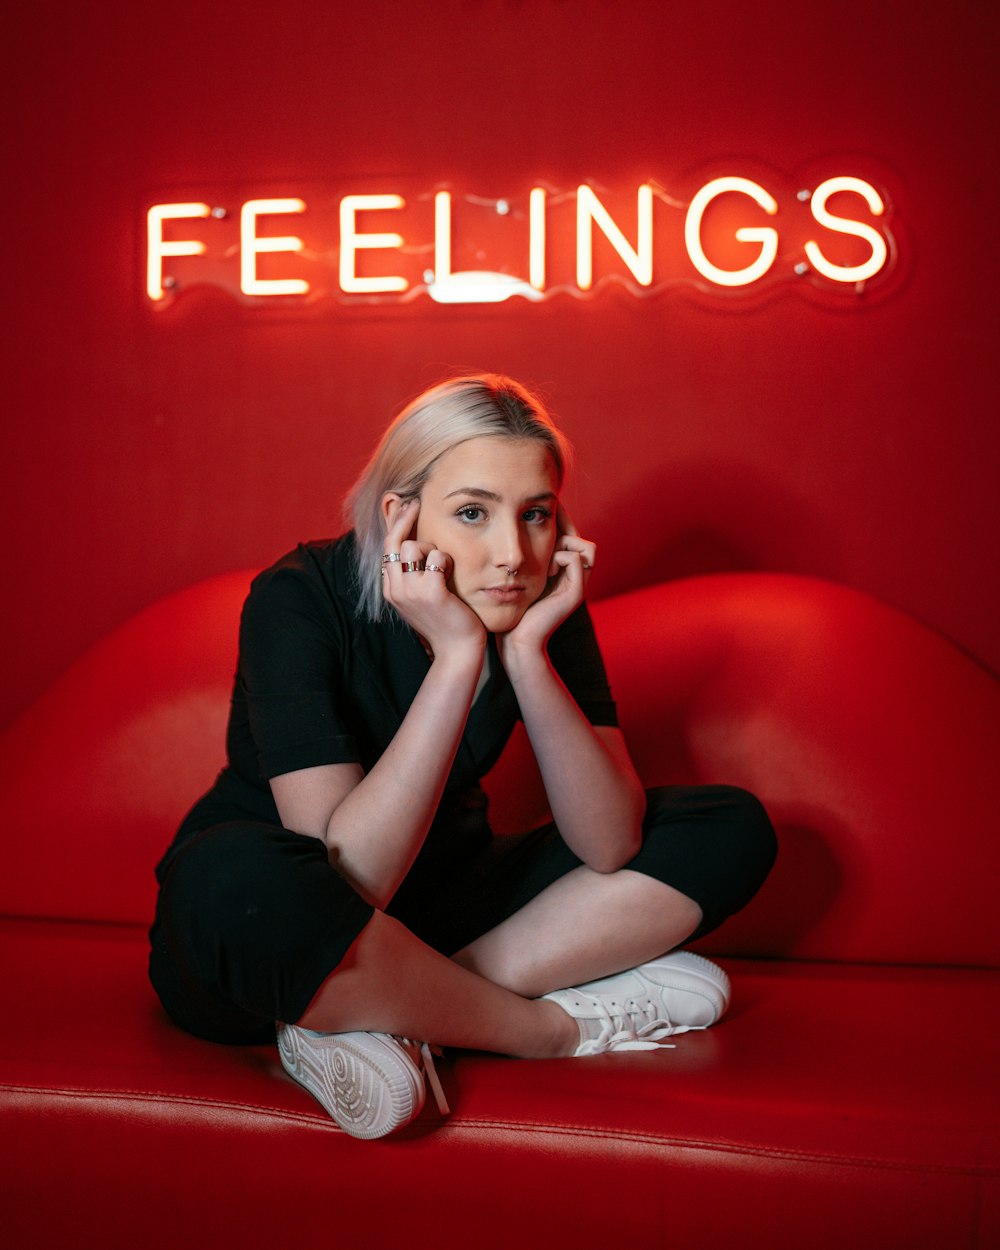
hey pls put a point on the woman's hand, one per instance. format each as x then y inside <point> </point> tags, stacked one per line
<point>421,596</point>
<point>572,562</point>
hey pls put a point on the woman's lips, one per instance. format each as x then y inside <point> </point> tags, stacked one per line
<point>504,594</point>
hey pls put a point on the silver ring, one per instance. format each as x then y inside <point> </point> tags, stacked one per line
<point>511,572</point>
<point>435,568</point>
<point>391,557</point>
<point>412,566</point>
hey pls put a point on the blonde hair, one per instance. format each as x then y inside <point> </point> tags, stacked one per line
<point>485,405</point>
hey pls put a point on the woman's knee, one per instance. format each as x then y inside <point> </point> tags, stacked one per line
<point>724,820</point>
<point>714,844</point>
<point>750,831</point>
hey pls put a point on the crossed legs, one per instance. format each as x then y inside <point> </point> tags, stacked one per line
<point>486,997</point>
<point>251,920</point>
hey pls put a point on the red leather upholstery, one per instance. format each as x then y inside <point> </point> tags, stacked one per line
<point>97,775</point>
<point>849,1097</point>
<point>872,741</point>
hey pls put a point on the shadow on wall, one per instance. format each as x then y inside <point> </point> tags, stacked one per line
<point>715,516</point>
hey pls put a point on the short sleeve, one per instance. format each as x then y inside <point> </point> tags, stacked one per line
<point>293,643</point>
<point>576,657</point>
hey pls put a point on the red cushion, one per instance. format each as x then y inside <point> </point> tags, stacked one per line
<point>833,1106</point>
<point>98,774</point>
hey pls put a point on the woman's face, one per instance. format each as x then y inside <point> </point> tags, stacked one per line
<point>490,503</point>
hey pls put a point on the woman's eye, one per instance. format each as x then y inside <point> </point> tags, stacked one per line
<point>537,516</point>
<point>471,512</point>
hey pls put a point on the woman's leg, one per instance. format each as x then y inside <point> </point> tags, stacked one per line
<point>707,850</point>
<point>391,982</point>
<point>574,926</point>
<point>350,1049</point>
<point>251,919</point>
<point>584,926</point>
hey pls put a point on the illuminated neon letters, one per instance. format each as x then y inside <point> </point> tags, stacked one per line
<point>732,234</point>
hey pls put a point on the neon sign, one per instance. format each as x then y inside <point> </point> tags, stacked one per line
<point>732,235</point>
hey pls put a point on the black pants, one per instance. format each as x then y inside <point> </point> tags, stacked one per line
<point>251,919</point>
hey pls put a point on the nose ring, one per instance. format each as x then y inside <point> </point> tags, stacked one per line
<point>511,572</point>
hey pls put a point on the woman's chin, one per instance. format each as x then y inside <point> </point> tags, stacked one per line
<point>494,625</point>
<point>501,618</point>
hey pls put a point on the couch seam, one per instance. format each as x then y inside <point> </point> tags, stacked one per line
<point>457,1123</point>
<point>734,1147</point>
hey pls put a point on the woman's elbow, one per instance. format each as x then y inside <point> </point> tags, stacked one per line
<point>612,856</point>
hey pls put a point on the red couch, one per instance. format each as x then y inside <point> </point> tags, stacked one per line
<point>849,1098</point>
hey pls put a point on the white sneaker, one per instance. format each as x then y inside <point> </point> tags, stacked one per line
<point>638,1009</point>
<point>370,1083</point>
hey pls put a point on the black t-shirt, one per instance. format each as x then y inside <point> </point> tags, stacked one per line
<point>318,684</point>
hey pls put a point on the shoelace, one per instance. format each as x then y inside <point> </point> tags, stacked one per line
<point>423,1052</point>
<point>623,1032</point>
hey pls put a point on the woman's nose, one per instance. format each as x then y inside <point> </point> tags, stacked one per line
<point>509,553</point>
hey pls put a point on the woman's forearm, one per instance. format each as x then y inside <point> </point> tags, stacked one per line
<point>376,831</point>
<point>595,795</point>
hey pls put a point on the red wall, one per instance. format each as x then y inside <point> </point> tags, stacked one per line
<point>146,449</point>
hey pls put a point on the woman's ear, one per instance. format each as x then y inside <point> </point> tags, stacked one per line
<point>391,504</point>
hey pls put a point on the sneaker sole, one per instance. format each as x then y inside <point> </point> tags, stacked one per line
<point>716,984</point>
<point>365,1084</point>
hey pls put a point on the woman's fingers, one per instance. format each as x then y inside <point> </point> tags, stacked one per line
<point>404,573</point>
<point>569,540</point>
<point>416,585</point>
<point>401,553</point>
<point>575,548</point>
<point>412,556</point>
<point>401,525</point>
<point>587,551</point>
<point>415,581</point>
<point>438,563</point>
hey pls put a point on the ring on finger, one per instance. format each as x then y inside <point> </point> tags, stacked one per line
<point>391,557</point>
<point>412,566</point>
<point>435,568</point>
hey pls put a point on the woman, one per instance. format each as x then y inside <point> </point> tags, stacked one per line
<point>340,881</point>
